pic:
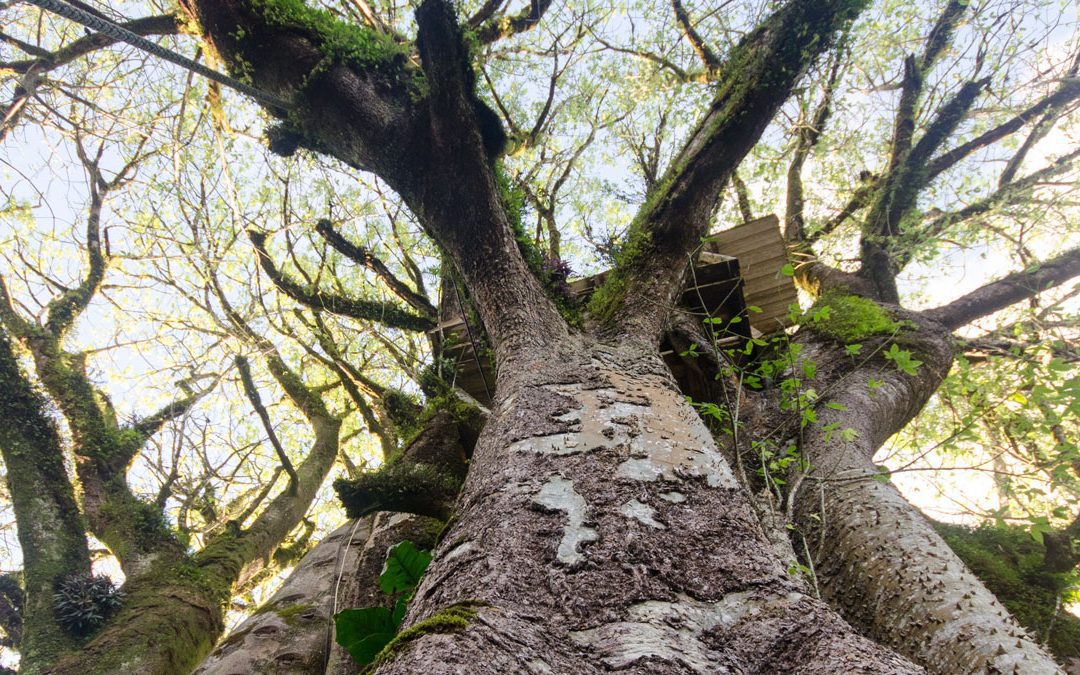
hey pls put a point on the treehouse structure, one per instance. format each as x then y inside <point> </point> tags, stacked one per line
<point>738,269</point>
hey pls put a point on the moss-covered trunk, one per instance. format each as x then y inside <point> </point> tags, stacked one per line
<point>50,527</point>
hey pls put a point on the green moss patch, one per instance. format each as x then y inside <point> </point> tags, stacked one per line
<point>402,486</point>
<point>340,40</point>
<point>453,619</point>
<point>850,318</point>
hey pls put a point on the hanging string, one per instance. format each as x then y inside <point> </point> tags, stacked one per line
<point>110,29</point>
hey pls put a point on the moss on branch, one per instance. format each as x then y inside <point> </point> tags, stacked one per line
<point>850,318</point>
<point>338,40</point>
<point>404,487</point>
<point>453,619</point>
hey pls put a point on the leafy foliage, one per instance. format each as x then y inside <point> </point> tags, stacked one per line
<point>84,602</point>
<point>366,632</point>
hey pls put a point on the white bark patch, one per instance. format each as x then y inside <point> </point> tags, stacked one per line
<point>460,550</point>
<point>642,513</point>
<point>558,494</point>
<point>665,438</point>
<point>673,497</point>
<point>672,630</point>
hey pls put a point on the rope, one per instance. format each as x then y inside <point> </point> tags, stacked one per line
<point>472,341</point>
<point>112,30</point>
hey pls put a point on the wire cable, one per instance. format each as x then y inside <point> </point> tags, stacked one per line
<point>116,32</point>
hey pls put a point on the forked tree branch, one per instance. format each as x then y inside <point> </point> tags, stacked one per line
<point>1007,291</point>
<point>355,308</point>
<point>361,256</point>
<point>755,80</point>
<point>252,393</point>
<point>501,27</point>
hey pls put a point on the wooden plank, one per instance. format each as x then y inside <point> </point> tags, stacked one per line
<point>738,267</point>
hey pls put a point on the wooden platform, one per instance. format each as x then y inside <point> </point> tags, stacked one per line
<point>738,267</point>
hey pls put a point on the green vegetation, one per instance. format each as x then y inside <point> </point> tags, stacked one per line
<point>1011,564</point>
<point>453,619</point>
<point>849,318</point>
<point>367,633</point>
<point>290,614</point>
<point>340,40</point>
<point>605,300</point>
<point>407,487</point>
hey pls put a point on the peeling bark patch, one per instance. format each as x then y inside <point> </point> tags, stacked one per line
<point>558,494</point>
<point>459,550</point>
<point>642,513</point>
<point>672,631</point>
<point>663,439</point>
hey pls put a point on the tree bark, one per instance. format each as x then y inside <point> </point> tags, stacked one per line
<point>50,528</point>
<point>622,541</point>
<point>877,558</point>
<point>289,634</point>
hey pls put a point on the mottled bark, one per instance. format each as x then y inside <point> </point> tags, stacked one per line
<point>50,527</point>
<point>877,558</point>
<point>292,632</point>
<point>622,541</point>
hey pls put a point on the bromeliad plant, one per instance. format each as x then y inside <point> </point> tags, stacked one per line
<point>367,631</point>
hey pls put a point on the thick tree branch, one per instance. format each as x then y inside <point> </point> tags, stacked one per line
<point>425,133</point>
<point>501,27</point>
<point>877,558</point>
<point>50,528</point>
<point>754,82</point>
<point>153,423</point>
<point>62,311</point>
<point>1007,291</point>
<point>164,24</point>
<point>1042,127</point>
<point>905,179</point>
<point>362,256</point>
<point>355,308</point>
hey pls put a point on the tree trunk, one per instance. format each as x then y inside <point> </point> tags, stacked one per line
<point>54,547</point>
<point>600,528</point>
<point>289,634</point>
<point>878,560</point>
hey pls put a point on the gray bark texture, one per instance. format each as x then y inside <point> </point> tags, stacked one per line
<point>877,558</point>
<point>600,527</point>
<point>622,542</point>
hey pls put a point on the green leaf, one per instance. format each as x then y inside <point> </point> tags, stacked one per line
<point>364,632</point>
<point>1040,525</point>
<point>405,564</point>
<point>787,270</point>
<point>400,606</point>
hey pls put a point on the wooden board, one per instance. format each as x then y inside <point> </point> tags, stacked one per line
<point>739,267</point>
<point>759,247</point>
